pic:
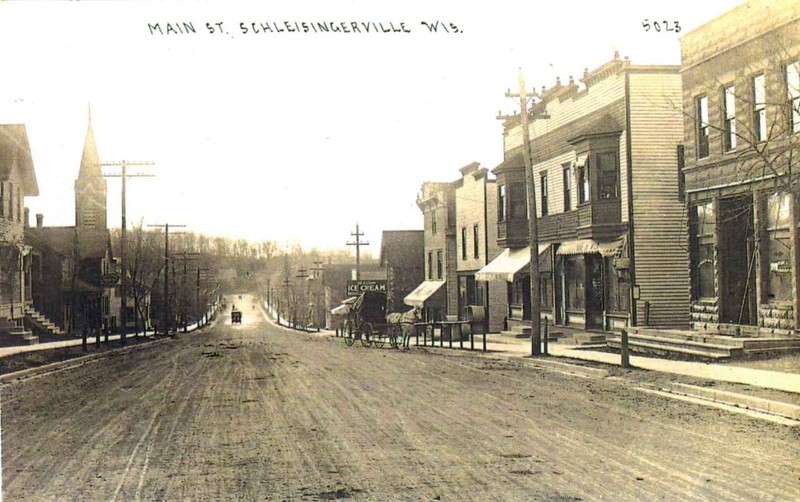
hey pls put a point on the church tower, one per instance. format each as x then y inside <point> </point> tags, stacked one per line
<point>90,187</point>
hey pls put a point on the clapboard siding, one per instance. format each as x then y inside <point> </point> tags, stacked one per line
<point>660,226</point>
<point>599,95</point>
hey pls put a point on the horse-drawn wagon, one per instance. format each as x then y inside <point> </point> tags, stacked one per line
<point>368,322</point>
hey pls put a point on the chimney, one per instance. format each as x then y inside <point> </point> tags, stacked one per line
<point>39,220</point>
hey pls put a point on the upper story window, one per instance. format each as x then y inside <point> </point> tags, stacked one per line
<point>430,264</point>
<point>476,247</point>
<point>439,264</point>
<point>701,104</point>
<point>584,192</point>
<point>729,116</point>
<point>433,222</point>
<point>501,203</point>
<point>544,190</point>
<point>567,177</point>
<point>518,204</point>
<point>759,108</point>
<point>464,243</point>
<point>606,172</point>
<point>793,95</point>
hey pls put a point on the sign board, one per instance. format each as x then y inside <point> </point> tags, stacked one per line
<point>109,280</point>
<point>355,288</point>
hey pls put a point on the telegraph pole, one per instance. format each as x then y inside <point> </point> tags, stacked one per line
<point>184,256</point>
<point>124,177</point>
<point>536,337</point>
<point>166,310</point>
<point>358,243</point>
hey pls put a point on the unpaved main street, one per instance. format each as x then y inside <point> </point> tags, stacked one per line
<point>257,412</point>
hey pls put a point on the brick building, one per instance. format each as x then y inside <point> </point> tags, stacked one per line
<point>402,253</point>
<point>741,94</point>
<point>612,247</point>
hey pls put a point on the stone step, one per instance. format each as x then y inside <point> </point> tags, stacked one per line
<point>667,344</point>
<point>584,338</point>
<point>650,348</point>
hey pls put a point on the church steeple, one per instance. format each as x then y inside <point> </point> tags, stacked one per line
<point>90,187</point>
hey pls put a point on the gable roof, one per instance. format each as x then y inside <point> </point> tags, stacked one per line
<point>92,243</point>
<point>16,151</point>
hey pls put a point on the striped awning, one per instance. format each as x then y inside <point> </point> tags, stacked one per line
<point>590,246</point>
<point>420,295</point>
<point>506,266</point>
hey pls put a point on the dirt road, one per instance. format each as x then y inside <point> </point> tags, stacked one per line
<point>257,412</point>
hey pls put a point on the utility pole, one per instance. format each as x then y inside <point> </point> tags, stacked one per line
<point>358,243</point>
<point>166,310</point>
<point>123,175</point>
<point>184,256</point>
<point>536,337</point>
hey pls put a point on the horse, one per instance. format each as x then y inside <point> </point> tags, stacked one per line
<point>405,322</point>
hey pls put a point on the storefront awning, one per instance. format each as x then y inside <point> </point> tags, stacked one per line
<point>507,264</point>
<point>345,307</point>
<point>422,292</point>
<point>589,246</point>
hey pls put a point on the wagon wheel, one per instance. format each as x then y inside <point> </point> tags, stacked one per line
<point>379,338</point>
<point>394,339</point>
<point>348,333</point>
<point>366,334</point>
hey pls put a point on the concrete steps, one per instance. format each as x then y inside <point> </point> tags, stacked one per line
<point>19,332</point>
<point>34,316</point>
<point>706,345</point>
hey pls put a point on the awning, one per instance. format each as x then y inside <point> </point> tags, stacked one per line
<point>507,264</point>
<point>589,246</point>
<point>345,307</point>
<point>422,292</point>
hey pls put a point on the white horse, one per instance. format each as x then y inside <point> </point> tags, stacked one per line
<point>405,322</point>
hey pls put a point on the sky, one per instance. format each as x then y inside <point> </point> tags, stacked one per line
<point>296,137</point>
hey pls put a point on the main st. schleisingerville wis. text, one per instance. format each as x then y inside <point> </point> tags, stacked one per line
<point>296,27</point>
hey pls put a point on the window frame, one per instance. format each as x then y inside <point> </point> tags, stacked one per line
<point>702,129</point>
<point>567,181</point>
<point>729,117</point>
<point>543,190</point>
<point>759,107</point>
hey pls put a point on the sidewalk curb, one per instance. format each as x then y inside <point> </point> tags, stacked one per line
<point>73,362</point>
<point>754,403</point>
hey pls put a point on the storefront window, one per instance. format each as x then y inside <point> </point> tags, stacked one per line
<point>703,258</point>
<point>618,300</point>
<point>574,270</point>
<point>778,252</point>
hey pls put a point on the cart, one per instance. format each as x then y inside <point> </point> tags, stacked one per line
<point>366,322</point>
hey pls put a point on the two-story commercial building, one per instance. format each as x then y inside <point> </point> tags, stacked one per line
<point>741,95</point>
<point>612,245</point>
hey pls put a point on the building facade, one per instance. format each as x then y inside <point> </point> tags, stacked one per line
<point>74,273</point>
<point>17,181</point>
<point>612,247</point>
<point>741,94</point>
<point>476,246</point>
<point>437,294</point>
<point>402,257</point>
